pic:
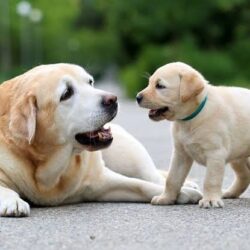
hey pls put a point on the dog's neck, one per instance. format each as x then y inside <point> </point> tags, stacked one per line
<point>196,111</point>
<point>194,107</point>
<point>49,172</point>
<point>34,153</point>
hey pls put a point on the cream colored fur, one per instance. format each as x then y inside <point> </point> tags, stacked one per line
<point>216,136</point>
<point>40,159</point>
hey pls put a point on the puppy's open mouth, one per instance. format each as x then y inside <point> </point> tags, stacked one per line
<point>95,140</point>
<point>156,113</point>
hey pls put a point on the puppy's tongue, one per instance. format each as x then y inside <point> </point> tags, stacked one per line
<point>152,111</point>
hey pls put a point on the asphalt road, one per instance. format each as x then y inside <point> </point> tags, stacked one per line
<point>134,226</point>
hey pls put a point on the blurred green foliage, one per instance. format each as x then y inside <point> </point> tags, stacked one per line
<point>138,36</point>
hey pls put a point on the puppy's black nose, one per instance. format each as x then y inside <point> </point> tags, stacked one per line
<point>109,100</point>
<point>139,98</point>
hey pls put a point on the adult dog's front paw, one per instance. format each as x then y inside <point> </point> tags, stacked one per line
<point>14,207</point>
<point>162,199</point>
<point>211,203</point>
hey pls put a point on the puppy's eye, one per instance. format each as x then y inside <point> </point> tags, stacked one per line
<point>69,91</point>
<point>91,81</point>
<point>160,86</point>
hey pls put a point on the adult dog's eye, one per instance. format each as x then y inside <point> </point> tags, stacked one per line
<point>160,86</point>
<point>69,91</point>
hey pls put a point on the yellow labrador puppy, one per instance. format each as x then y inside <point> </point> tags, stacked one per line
<point>51,133</point>
<point>210,127</point>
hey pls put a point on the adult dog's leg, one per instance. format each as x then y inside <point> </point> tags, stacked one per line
<point>116,187</point>
<point>11,204</point>
<point>127,156</point>
<point>242,179</point>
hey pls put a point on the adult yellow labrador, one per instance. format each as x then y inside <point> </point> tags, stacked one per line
<point>51,134</point>
<point>210,127</point>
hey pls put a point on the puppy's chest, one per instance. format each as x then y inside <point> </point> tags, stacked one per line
<point>194,147</point>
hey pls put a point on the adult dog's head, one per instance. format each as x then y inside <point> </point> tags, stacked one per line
<point>55,105</point>
<point>173,92</point>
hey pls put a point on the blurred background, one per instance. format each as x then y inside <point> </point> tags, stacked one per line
<point>128,39</point>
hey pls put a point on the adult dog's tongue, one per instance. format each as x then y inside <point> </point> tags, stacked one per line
<point>101,134</point>
<point>95,140</point>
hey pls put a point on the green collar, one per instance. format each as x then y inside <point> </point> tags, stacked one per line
<point>197,111</point>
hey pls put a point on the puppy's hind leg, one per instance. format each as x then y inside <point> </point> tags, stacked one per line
<point>11,205</point>
<point>242,179</point>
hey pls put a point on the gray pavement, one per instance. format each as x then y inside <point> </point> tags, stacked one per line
<point>134,226</point>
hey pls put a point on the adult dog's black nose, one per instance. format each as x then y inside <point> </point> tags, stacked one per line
<point>109,101</point>
<point>139,98</point>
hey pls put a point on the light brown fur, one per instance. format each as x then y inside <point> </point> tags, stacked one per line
<point>40,159</point>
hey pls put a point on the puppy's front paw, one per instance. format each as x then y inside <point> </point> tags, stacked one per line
<point>162,199</point>
<point>14,207</point>
<point>211,203</point>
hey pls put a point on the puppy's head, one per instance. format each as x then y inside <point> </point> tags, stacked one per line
<point>58,104</point>
<point>171,91</point>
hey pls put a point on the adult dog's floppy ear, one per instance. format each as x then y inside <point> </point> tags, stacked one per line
<point>191,85</point>
<point>23,118</point>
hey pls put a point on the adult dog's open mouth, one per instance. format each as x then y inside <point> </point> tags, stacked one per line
<point>95,140</point>
<point>156,113</point>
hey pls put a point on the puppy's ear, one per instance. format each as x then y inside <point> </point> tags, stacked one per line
<point>191,85</point>
<point>23,118</point>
